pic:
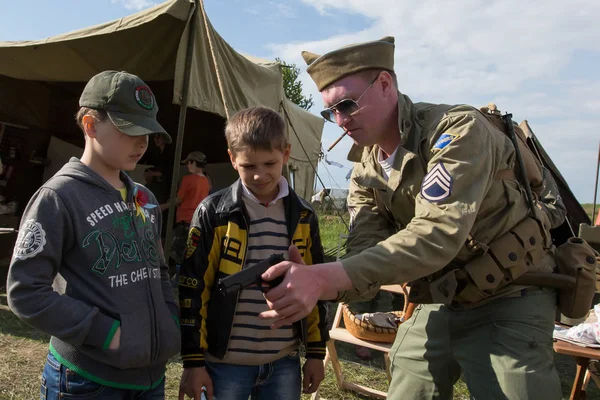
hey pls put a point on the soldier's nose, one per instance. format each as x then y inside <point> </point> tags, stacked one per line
<point>341,119</point>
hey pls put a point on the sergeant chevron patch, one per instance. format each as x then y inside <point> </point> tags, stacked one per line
<point>437,184</point>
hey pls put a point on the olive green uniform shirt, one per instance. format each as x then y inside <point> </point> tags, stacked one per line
<point>442,188</point>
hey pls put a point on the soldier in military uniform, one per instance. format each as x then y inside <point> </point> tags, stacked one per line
<point>435,202</point>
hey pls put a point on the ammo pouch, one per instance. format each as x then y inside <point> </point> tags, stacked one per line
<point>518,251</point>
<point>577,259</point>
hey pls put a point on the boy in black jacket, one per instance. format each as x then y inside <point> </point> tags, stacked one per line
<point>226,348</point>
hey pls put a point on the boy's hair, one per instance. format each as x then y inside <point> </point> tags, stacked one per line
<point>100,115</point>
<point>257,128</point>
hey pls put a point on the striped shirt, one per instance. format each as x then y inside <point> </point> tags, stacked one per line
<point>252,341</point>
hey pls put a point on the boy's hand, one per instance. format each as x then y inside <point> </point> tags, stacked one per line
<point>192,381</point>
<point>115,343</point>
<point>314,373</point>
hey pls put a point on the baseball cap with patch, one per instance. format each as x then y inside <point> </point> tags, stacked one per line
<point>127,100</point>
<point>195,156</point>
<point>330,67</point>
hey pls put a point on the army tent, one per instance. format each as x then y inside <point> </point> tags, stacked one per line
<point>40,82</point>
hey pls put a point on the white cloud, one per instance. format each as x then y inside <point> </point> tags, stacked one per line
<point>135,4</point>
<point>270,10</point>
<point>515,53</point>
<point>281,9</point>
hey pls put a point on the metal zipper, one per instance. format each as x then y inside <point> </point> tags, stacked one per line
<point>237,298</point>
<point>153,342</point>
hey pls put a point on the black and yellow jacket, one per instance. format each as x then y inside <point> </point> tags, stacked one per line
<point>216,247</point>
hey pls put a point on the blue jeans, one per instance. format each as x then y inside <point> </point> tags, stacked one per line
<point>279,380</point>
<point>59,382</point>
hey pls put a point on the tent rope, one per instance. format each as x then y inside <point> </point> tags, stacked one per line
<point>312,166</point>
<point>214,58</point>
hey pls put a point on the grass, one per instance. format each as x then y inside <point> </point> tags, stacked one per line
<point>24,350</point>
<point>331,226</point>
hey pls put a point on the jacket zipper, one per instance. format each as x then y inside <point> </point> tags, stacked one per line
<point>302,349</point>
<point>303,329</point>
<point>152,312</point>
<point>237,297</point>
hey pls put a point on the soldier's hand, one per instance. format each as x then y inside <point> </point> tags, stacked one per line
<point>296,296</point>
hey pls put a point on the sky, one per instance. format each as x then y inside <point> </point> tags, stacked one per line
<point>538,60</point>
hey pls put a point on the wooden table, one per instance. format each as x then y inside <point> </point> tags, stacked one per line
<point>337,333</point>
<point>582,356</point>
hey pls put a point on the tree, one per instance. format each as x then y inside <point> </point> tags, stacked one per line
<point>293,87</point>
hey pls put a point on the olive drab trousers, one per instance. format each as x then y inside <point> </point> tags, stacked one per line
<point>504,349</point>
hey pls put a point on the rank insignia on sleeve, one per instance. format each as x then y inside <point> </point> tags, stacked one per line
<point>444,140</point>
<point>437,184</point>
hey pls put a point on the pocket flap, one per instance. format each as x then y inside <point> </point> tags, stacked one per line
<point>508,251</point>
<point>485,272</point>
<point>529,234</point>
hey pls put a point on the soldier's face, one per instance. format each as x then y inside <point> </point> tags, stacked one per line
<point>366,124</point>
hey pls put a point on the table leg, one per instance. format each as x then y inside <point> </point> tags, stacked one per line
<point>577,392</point>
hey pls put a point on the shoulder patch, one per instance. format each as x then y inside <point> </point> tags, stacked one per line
<point>30,241</point>
<point>192,242</point>
<point>444,140</point>
<point>437,184</point>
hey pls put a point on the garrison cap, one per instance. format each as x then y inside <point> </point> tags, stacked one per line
<point>330,67</point>
<point>128,101</point>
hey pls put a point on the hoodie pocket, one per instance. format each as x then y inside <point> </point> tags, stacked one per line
<point>134,349</point>
<point>169,335</point>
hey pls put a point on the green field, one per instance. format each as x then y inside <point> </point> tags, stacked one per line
<point>589,207</point>
<point>24,351</point>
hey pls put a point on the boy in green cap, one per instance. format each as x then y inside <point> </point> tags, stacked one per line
<point>88,267</point>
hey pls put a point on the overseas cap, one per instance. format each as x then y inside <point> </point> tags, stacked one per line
<point>330,67</point>
<point>127,100</point>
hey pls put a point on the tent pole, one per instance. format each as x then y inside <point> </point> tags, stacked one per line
<point>180,131</point>
<point>596,187</point>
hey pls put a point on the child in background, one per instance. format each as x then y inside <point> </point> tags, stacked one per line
<point>226,348</point>
<point>193,189</point>
<point>95,234</point>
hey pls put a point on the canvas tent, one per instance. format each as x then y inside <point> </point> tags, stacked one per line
<point>197,78</point>
<point>40,82</point>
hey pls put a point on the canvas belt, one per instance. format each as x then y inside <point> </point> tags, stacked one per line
<point>518,251</point>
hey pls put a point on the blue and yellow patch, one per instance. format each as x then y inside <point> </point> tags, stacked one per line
<point>444,140</point>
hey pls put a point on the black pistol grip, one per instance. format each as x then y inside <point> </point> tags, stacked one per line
<point>266,285</point>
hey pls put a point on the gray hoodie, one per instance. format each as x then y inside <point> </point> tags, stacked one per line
<point>104,258</point>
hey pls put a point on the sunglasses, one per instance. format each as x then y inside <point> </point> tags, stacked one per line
<point>345,106</point>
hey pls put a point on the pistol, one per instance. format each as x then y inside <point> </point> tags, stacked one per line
<point>251,275</point>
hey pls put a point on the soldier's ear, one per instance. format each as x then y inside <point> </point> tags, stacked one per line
<point>386,80</point>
